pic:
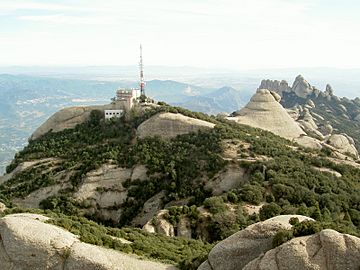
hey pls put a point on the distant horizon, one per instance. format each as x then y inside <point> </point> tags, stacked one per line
<point>345,82</point>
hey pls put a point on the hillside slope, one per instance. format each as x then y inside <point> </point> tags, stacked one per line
<point>205,184</point>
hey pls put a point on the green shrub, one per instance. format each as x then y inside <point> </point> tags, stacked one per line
<point>281,237</point>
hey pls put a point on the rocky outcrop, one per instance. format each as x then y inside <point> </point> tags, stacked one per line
<point>308,124</point>
<point>169,125</point>
<point>242,247</point>
<point>309,142</point>
<point>25,165</point>
<point>67,118</point>
<point>27,242</point>
<point>276,86</point>
<point>325,250</point>
<point>264,112</point>
<point>301,87</point>
<point>151,207</point>
<point>232,177</point>
<point>159,224</point>
<point>344,144</point>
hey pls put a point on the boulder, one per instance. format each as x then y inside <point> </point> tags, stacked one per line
<point>309,142</point>
<point>343,144</point>
<point>329,91</point>
<point>169,125</point>
<point>301,87</point>
<point>244,246</point>
<point>324,251</point>
<point>263,111</point>
<point>27,242</point>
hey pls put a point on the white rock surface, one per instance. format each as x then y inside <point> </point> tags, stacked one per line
<point>169,125</point>
<point>264,112</point>
<point>27,243</point>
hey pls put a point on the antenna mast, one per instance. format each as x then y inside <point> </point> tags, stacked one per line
<point>142,81</point>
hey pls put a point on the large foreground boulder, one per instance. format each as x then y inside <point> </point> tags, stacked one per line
<point>27,243</point>
<point>322,251</point>
<point>169,125</point>
<point>244,246</point>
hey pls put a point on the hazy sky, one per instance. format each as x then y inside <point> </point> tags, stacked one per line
<point>236,34</point>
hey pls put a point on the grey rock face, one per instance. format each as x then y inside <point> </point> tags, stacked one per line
<point>324,251</point>
<point>239,249</point>
<point>276,86</point>
<point>301,87</point>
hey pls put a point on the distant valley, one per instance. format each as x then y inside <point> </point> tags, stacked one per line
<point>27,101</point>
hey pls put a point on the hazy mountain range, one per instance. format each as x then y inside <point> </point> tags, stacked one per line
<point>27,101</point>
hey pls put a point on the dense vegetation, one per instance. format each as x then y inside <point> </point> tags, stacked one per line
<point>287,180</point>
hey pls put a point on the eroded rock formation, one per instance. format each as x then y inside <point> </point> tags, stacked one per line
<point>263,111</point>
<point>27,242</point>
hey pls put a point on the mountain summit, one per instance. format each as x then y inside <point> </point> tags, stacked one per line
<point>264,111</point>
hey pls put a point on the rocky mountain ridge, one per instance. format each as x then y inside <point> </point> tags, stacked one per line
<point>320,113</point>
<point>211,178</point>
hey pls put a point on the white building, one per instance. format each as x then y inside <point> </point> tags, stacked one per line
<point>113,113</point>
<point>128,96</point>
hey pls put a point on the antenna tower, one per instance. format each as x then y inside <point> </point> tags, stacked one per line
<point>142,81</point>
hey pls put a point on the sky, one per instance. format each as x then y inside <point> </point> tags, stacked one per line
<point>229,34</point>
